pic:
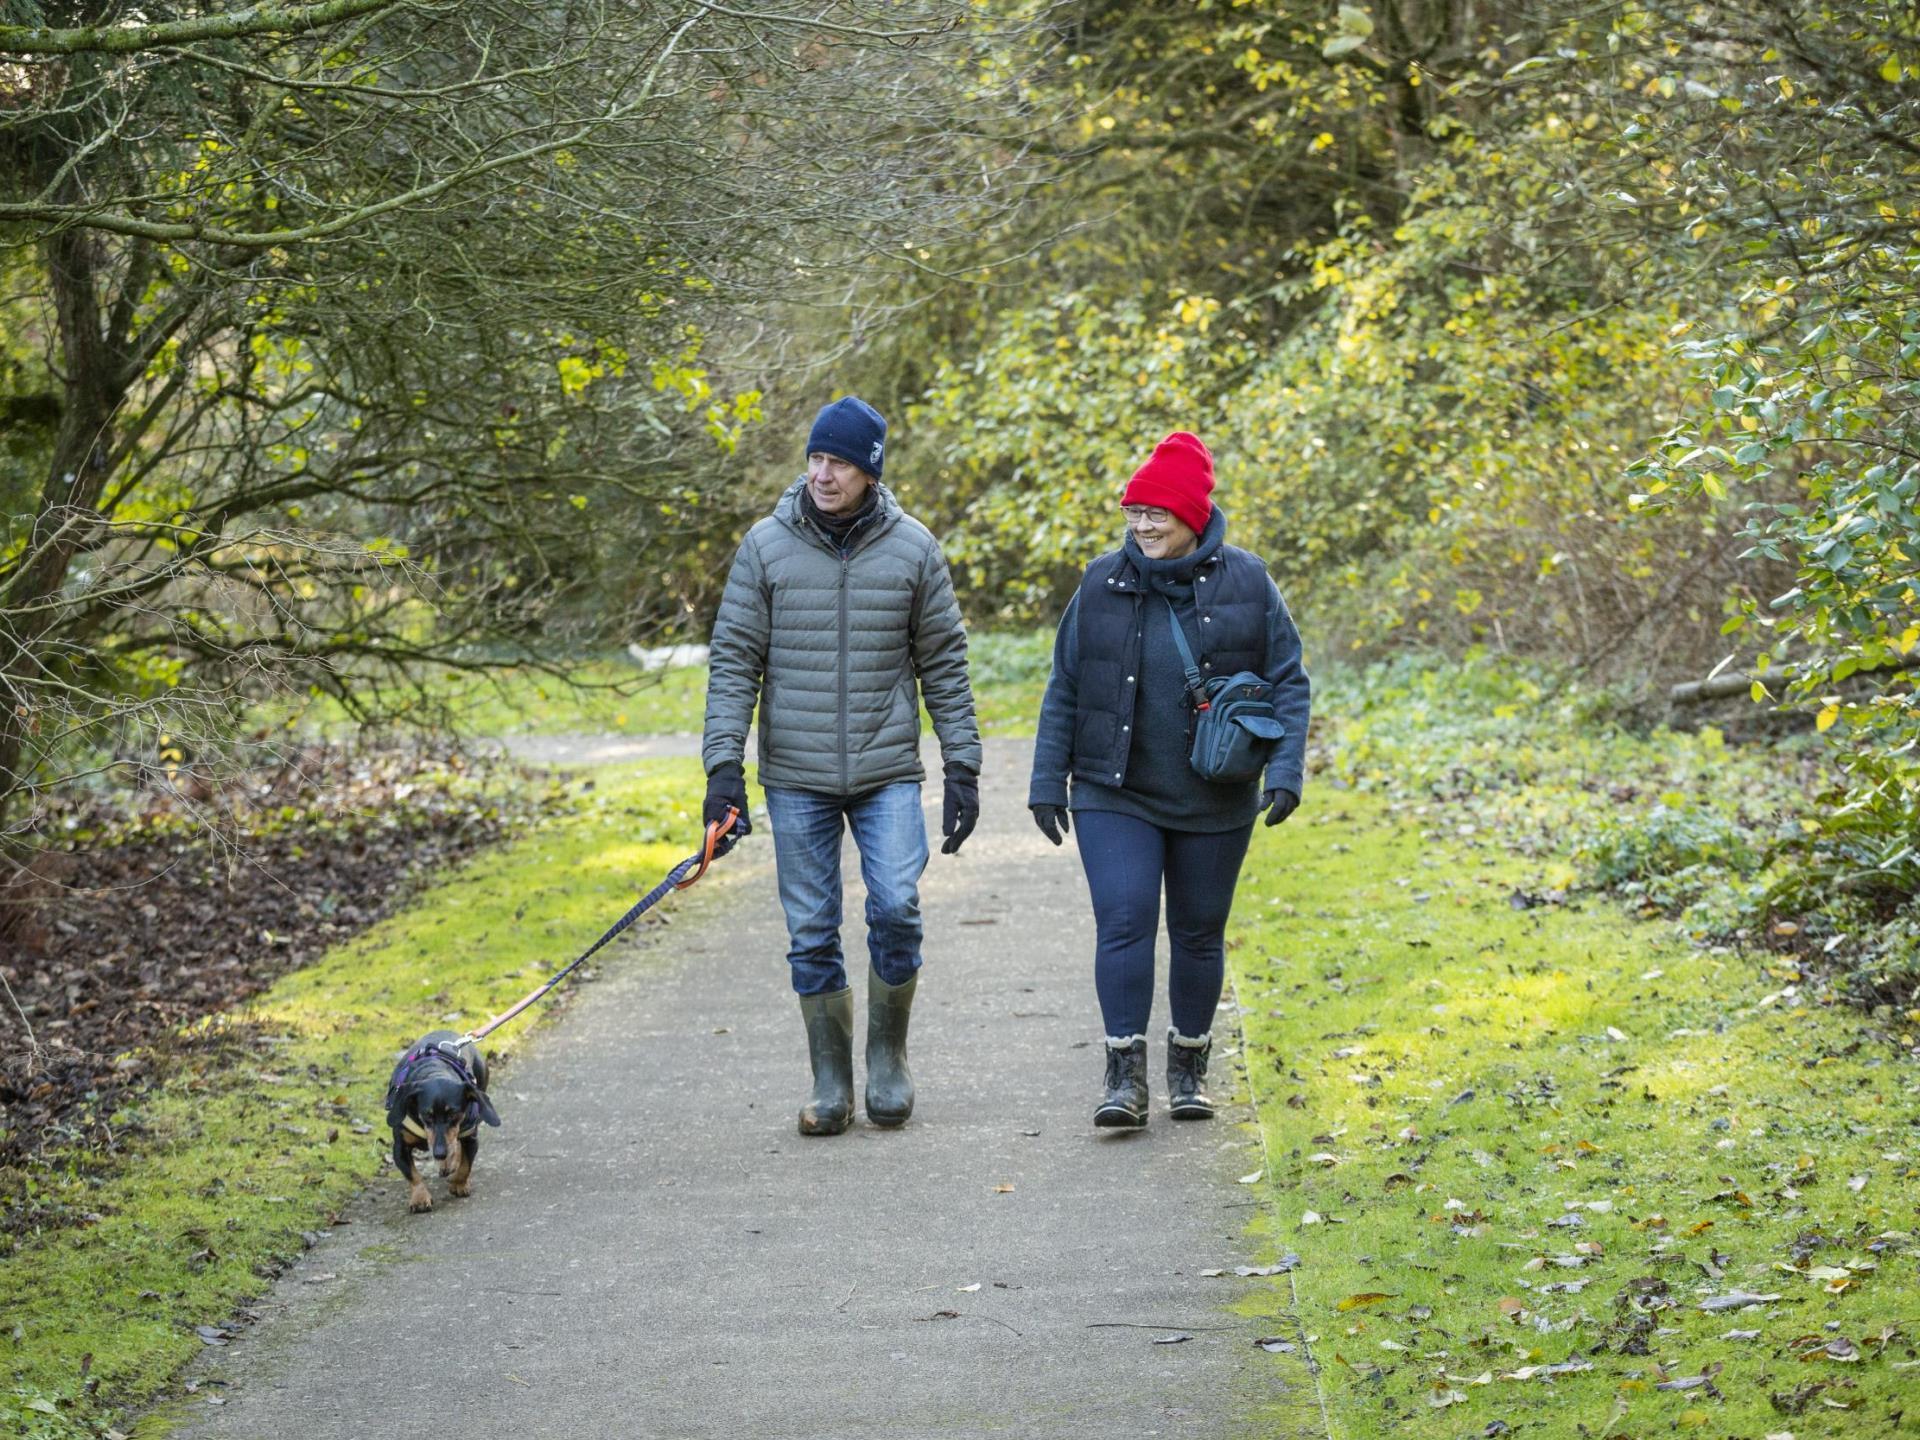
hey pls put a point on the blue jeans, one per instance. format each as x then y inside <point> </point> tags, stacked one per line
<point>1126,860</point>
<point>891,834</point>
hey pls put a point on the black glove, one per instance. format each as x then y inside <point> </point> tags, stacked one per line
<point>1278,804</point>
<point>960,811</point>
<point>726,790</point>
<point>1052,820</point>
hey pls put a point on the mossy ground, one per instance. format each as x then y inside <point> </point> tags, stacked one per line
<point>1503,1138</point>
<point>232,1164</point>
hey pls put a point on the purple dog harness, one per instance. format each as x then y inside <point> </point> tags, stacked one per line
<point>449,1055</point>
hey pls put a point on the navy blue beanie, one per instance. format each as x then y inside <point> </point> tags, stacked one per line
<point>853,430</point>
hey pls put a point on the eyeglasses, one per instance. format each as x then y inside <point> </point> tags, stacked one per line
<point>1152,514</point>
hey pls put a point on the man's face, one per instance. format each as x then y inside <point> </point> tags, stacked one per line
<point>837,486</point>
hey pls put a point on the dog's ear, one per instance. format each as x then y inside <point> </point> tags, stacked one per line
<point>399,1101</point>
<point>487,1112</point>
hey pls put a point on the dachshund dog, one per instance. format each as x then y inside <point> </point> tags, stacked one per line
<point>437,1100</point>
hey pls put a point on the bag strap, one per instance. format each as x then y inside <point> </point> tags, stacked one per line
<point>1196,687</point>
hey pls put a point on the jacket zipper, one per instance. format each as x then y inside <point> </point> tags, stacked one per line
<point>861,541</point>
<point>846,566</point>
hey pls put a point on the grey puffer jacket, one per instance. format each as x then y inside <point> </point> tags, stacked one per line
<point>837,651</point>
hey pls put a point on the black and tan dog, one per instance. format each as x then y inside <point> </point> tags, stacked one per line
<point>437,1101</point>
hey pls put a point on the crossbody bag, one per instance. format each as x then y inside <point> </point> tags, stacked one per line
<point>1235,726</point>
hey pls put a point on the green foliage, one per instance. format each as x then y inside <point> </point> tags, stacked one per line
<point>1812,198</point>
<point>1669,840</point>
<point>1585,334</point>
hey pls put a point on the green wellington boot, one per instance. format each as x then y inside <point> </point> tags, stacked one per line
<point>829,1019</point>
<point>1125,1105</point>
<point>889,1082</point>
<point>1187,1097</point>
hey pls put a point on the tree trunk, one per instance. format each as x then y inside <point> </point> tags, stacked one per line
<point>68,519</point>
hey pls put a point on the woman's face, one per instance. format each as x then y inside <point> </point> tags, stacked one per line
<point>1160,534</point>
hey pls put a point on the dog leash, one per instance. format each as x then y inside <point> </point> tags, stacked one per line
<point>686,873</point>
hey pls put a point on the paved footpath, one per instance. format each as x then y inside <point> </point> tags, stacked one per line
<point>653,1251</point>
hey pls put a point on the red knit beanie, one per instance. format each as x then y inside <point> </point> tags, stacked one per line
<point>1178,477</point>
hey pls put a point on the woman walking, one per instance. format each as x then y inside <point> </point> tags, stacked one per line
<point>1114,749</point>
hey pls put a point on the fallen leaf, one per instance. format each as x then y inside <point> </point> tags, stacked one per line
<point>1548,1372</point>
<point>1735,1300</point>
<point>1442,1397</point>
<point>1253,1179</point>
<point>1286,1264</point>
<point>1003,1189</point>
<point>1180,1339</point>
<point>1364,1299</point>
<point>1312,1217</point>
<point>1276,1345</point>
<point>969,1289</point>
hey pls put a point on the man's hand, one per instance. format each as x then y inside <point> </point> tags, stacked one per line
<point>960,811</point>
<point>1052,820</point>
<point>1278,804</point>
<point>727,790</point>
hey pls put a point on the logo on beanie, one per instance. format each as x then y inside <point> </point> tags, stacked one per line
<point>879,449</point>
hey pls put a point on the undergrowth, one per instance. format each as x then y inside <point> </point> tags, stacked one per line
<point>1679,823</point>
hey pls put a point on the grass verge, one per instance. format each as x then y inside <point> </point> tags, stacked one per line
<point>235,1163</point>
<point>1531,1154</point>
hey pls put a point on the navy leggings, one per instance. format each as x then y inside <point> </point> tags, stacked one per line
<point>1126,860</point>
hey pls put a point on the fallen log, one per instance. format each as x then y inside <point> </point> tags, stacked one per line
<point>1720,687</point>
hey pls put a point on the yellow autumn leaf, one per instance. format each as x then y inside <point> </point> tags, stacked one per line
<point>1823,722</point>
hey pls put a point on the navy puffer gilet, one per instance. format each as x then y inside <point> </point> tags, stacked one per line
<point>1230,607</point>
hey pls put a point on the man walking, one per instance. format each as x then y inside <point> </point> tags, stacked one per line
<point>838,617</point>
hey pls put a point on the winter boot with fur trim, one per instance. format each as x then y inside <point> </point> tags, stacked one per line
<point>1125,1106</point>
<point>1187,1076</point>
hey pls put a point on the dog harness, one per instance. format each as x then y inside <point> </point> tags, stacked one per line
<point>448,1055</point>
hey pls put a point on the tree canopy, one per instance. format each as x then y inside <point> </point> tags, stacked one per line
<point>354,338</point>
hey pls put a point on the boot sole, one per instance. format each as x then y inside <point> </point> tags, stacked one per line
<point>1113,1117</point>
<point>1191,1112</point>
